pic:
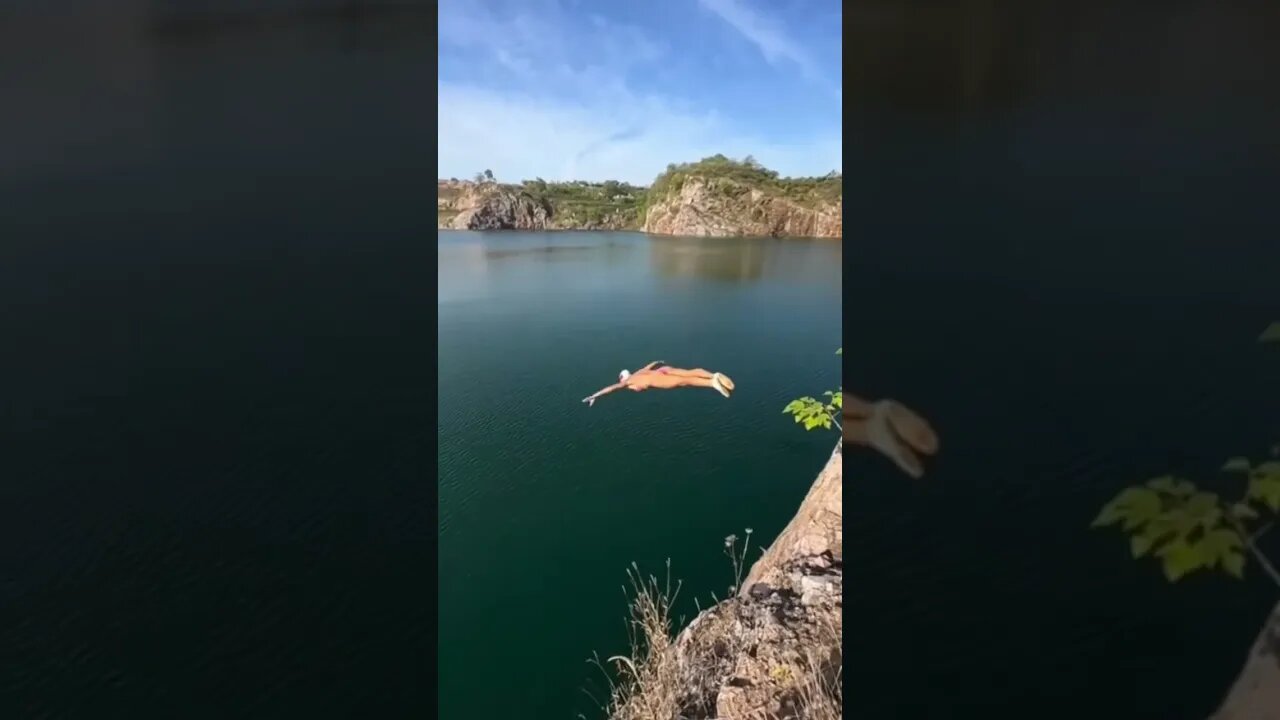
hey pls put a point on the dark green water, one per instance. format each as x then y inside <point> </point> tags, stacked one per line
<point>216,362</point>
<point>544,502</point>
<point>1065,247</point>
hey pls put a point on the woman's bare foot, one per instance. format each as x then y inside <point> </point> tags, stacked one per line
<point>891,429</point>
<point>884,439</point>
<point>912,428</point>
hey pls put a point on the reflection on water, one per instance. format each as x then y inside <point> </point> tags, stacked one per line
<point>711,260</point>
<point>548,252</point>
<point>551,264</point>
<point>746,259</point>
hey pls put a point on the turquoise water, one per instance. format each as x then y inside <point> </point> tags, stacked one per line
<point>544,502</point>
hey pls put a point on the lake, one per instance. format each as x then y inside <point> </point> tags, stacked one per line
<point>545,502</point>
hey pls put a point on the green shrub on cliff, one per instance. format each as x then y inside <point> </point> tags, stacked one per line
<point>1190,529</point>
<point>580,202</point>
<point>814,413</point>
<point>748,174</point>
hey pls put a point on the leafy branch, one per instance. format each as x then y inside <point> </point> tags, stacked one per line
<point>814,413</point>
<point>1189,529</point>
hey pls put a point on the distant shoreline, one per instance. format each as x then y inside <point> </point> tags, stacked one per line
<point>713,197</point>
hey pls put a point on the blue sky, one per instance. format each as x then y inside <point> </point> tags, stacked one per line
<point>615,89</point>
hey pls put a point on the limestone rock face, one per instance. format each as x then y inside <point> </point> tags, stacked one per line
<point>1256,693</point>
<point>720,207</point>
<point>772,651</point>
<point>487,206</point>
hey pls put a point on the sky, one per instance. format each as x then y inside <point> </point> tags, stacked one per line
<point>615,90</point>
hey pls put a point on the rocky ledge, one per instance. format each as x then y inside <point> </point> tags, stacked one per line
<point>1256,693</point>
<point>488,206</point>
<point>773,650</point>
<point>722,207</point>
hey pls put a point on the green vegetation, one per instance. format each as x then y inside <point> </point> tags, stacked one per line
<point>1189,529</point>
<point>738,177</point>
<point>621,205</point>
<point>814,413</point>
<point>583,203</point>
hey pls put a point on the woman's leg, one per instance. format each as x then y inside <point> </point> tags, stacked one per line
<point>682,372</point>
<point>678,381</point>
<point>855,407</point>
<point>701,373</point>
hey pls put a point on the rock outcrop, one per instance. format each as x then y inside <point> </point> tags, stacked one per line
<point>723,207</point>
<point>462,205</point>
<point>713,197</point>
<point>489,206</point>
<point>773,650</point>
<point>1256,693</point>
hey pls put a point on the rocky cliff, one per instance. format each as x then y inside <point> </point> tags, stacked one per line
<point>489,206</point>
<point>723,206</point>
<point>715,196</point>
<point>1256,693</point>
<point>462,205</point>
<point>773,650</point>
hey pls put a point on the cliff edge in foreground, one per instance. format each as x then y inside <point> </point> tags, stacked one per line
<point>1256,693</point>
<point>772,650</point>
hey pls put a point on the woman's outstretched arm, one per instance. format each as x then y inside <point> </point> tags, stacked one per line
<point>591,399</point>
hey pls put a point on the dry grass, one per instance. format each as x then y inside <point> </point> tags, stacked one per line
<point>648,682</point>
<point>653,682</point>
<point>820,691</point>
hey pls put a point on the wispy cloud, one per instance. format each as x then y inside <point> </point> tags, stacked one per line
<point>538,92</point>
<point>766,35</point>
<point>525,137</point>
<point>771,38</point>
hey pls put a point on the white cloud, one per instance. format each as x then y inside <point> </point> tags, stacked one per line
<point>631,140</point>
<point>572,115</point>
<point>767,36</point>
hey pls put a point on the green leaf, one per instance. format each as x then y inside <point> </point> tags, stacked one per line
<point>1140,544</point>
<point>1217,544</point>
<point>840,351</point>
<point>1171,485</point>
<point>1135,506</point>
<point>1264,485</point>
<point>1179,559</point>
<point>1271,334</point>
<point>837,401</point>
<point>1244,511</point>
<point>1109,515</point>
<point>1175,524</point>
<point>1237,464</point>
<point>1233,563</point>
<point>1203,509</point>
